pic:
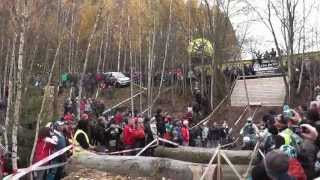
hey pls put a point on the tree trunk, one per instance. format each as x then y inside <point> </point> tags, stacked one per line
<point>17,103</point>
<point>87,59</point>
<point>44,101</point>
<point>201,155</point>
<point>10,91</point>
<point>156,168</point>
<point>5,74</point>
<point>143,166</point>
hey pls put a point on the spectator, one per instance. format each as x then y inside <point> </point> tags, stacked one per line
<point>185,133</point>
<point>57,173</point>
<point>118,118</point>
<point>205,133</point>
<point>160,123</point>
<point>249,133</point>
<point>131,134</point>
<point>295,168</point>
<point>44,147</point>
<point>176,132</point>
<point>277,165</point>
<point>68,117</point>
<point>81,138</point>
<point>273,53</point>
<point>168,128</point>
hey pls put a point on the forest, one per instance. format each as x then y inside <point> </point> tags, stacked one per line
<point>40,41</point>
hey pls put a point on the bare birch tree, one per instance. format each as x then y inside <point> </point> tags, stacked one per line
<point>85,65</point>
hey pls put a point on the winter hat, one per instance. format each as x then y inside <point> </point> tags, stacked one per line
<point>289,150</point>
<point>84,116</point>
<point>185,122</point>
<point>276,163</point>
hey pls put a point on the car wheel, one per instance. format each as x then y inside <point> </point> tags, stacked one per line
<point>117,85</point>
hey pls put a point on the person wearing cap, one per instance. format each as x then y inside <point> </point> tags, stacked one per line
<point>276,164</point>
<point>185,133</point>
<point>295,168</point>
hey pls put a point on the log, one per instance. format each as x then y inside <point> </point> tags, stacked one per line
<point>201,155</point>
<point>137,166</point>
<point>153,167</point>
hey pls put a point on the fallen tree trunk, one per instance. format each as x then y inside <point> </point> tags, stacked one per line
<point>153,167</point>
<point>143,166</point>
<point>201,155</point>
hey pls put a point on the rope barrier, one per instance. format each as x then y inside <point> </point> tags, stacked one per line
<point>231,165</point>
<point>230,144</point>
<point>146,147</point>
<point>241,116</point>
<point>217,107</point>
<point>252,158</point>
<point>167,141</point>
<point>39,163</point>
<point>122,102</point>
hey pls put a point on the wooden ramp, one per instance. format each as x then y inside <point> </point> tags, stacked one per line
<point>265,91</point>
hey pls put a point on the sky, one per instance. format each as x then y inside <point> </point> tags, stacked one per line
<point>248,24</point>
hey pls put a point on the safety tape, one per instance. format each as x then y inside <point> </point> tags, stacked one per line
<point>36,165</point>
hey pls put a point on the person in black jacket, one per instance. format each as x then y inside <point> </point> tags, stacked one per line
<point>160,123</point>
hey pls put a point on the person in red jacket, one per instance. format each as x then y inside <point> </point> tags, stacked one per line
<point>118,118</point>
<point>44,147</point>
<point>185,133</point>
<point>131,134</point>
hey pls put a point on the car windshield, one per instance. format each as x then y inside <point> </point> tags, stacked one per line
<point>118,75</point>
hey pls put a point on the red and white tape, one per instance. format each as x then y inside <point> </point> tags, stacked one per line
<point>36,166</point>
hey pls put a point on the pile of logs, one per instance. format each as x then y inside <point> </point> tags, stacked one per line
<point>186,163</point>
